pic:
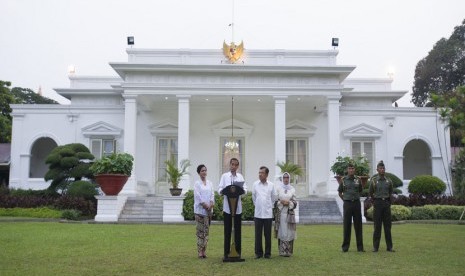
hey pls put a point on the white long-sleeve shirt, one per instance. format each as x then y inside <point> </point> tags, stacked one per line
<point>226,180</point>
<point>203,194</point>
<point>263,196</point>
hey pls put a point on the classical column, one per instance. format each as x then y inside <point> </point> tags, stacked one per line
<point>19,165</point>
<point>333,141</point>
<point>279,130</point>
<point>183,135</point>
<point>130,130</point>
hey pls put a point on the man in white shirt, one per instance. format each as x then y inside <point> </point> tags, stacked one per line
<point>263,196</point>
<point>227,179</point>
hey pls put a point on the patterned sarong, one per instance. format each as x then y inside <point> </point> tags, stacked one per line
<point>202,229</point>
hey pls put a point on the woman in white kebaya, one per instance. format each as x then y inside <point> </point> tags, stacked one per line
<point>285,226</point>
<point>204,200</point>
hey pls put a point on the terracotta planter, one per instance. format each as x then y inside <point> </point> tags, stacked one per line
<point>175,191</point>
<point>111,184</point>
<point>364,180</point>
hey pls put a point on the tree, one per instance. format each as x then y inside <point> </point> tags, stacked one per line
<point>68,163</point>
<point>17,95</point>
<point>452,108</point>
<point>5,118</point>
<point>442,70</point>
<point>28,96</point>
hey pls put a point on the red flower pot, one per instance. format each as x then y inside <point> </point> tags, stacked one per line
<point>111,184</point>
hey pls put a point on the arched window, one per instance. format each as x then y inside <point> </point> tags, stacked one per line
<point>417,159</point>
<point>39,152</point>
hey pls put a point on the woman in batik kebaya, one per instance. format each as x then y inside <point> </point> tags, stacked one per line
<point>285,226</point>
<point>204,199</point>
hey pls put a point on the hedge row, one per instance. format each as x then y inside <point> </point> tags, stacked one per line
<point>399,212</point>
<point>188,207</point>
<point>420,200</point>
<point>88,208</point>
<point>41,212</point>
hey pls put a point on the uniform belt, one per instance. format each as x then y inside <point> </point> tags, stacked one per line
<point>383,198</point>
<point>351,200</point>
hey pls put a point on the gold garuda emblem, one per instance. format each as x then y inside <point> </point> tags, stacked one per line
<point>233,52</point>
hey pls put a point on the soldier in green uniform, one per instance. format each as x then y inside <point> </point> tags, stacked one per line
<point>380,191</point>
<point>349,190</point>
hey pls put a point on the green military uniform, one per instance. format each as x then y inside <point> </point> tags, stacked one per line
<point>381,190</point>
<point>350,189</point>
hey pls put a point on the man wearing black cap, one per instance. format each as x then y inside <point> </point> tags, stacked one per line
<point>349,190</point>
<point>380,191</point>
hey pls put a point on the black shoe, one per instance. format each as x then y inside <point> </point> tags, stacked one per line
<point>267,256</point>
<point>258,256</point>
<point>391,250</point>
<point>375,250</point>
<point>345,250</point>
<point>361,250</point>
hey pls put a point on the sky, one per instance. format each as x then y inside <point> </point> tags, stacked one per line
<point>40,39</point>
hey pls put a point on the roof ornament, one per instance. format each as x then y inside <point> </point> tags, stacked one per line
<point>233,52</point>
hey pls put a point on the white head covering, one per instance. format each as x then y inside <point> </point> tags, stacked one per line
<point>288,186</point>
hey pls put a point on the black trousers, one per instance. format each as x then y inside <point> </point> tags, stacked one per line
<point>352,209</point>
<point>227,218</point>
<point>263,226</point>
<point>382,215</point>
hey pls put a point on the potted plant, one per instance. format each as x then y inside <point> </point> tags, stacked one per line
<point>339,167</point>
<point>293,169</point>
<point>111,172</point>
<point>362,168</point>
<point>175,174</point>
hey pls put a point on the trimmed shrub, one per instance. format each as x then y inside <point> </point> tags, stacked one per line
<point>396,181</point>
<point>188,206</point>
<point>446,211</point>
<point>84,189</point>
<point>369,213</point>
<point>11,201</point>
<point>421,213</point>
<point>426,185</point>
<point>87,207</point>
<point>248,208</point>
<point>421,200</point>
<point>30,192</point>
<point>218,209</point>
<point>42,212</point>
<point>398,212</point>
<point>71,214</point>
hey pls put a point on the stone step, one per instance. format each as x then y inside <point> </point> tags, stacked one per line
<point>141,216</point>
<point>319,211</point>
<point>142,210</point>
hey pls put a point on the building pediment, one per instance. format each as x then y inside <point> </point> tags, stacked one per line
<point>362,131</point>
<point>224,128</point>
<point>101,129</point>
<point>298,128</point>
<point>165,127</point>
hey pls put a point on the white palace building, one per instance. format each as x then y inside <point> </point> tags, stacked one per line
<point>278,105</point>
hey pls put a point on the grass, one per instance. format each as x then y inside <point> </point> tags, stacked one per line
<point>51,248</point>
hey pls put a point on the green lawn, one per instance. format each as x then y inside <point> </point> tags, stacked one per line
<point>52,248</point>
